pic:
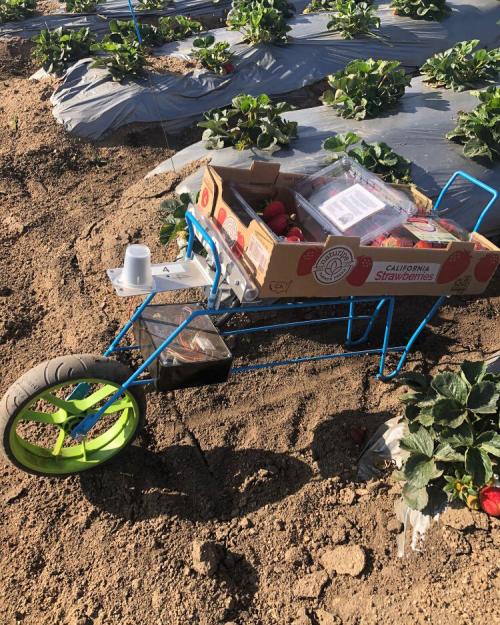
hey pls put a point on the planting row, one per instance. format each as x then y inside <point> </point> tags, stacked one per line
<point>231,66</point>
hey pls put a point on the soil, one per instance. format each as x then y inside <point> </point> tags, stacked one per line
<point>263,465</point>
<point>172,64</point>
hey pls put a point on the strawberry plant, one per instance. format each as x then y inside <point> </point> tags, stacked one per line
<point>352,19</point>
<point>172,215</point>
<point>215,57</point>
<point>153,5</point>
<point>460,67</point>
<point>250,122</point>
<point>124,31</point>
<point>177,27</point>
<point>81,6</point>
<point>15,10</point>
<point>432,10</point>
<point>326,6</point>
<point>121,59</point>
<point>376,157</point>
<point>366,88</point>
<point>283,6</point>
<point>57,49</point>
<point>258,22</point>
<point>479,130</point>
<point>453,440</point>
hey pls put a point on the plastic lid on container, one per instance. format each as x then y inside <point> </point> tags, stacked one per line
<point>349,200</point>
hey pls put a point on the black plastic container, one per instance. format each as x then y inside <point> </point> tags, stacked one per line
<point>196,357</point>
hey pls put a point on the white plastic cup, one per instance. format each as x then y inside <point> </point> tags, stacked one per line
<point>137,267</point>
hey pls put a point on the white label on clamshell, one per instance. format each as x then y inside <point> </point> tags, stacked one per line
<point>403,272</point>
<point>350,206</point>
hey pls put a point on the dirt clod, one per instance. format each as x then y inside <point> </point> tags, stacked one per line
<point>207,556</point>
<point>344,560</point>
<point>310,586</point>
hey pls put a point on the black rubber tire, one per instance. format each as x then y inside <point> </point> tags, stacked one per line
<point>56,371</point>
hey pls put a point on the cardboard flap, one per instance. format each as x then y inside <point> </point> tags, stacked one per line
<point>264,173</point>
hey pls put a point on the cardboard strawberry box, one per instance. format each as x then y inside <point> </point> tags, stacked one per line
<point>326,265</point>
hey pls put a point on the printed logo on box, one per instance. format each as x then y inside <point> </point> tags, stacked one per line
<point>383,271</point>
<point>333,265</point>
<point>230,227</point>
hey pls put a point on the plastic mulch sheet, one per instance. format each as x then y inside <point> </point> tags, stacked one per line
<point>90,105</point>
<point>98,22</point>
<point>416,130</point>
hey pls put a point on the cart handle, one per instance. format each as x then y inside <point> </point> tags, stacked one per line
<point>193,223</point>
<point>478,183</point>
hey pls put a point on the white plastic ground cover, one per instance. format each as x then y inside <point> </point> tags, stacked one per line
<point>416,130</point>
<point>89,104</point>
<point>113,9</point>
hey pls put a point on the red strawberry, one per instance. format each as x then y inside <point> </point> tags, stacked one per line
<point>292,239</point>
<point>295,231</point>
<point>486,267</point>
<point>489,498</point>
<point>307,260</point>
<point>205,196</point>
<point>221,217</point>
<point>397,241</point>
<point>424,245</point>
<point>273,209</point>
<point>378,242</point>
<point>454,228</point>
<point>453,267</point>
<point>229,67</point>
<point>279,224</point>
<point>361,271</point>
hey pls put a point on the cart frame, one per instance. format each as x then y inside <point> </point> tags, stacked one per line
<point>387,303</point>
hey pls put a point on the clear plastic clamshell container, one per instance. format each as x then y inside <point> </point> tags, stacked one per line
<point>348,200</point>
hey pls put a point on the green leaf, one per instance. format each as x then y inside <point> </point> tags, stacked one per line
<point>419,470</point>
<point>462,436</point>
<point>490,443</point>
<point>473,372</point>
<point>416,498</point>
<point>415,380</point>
<point>449,413</point>
<point>450,385</point>
<point>420,442</point>
<point>478,464</point>
<point>483,398</point>
<point>446,453</point>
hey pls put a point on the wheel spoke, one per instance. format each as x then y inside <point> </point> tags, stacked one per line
<point>68,406</point>
<point>59,443</point>
<point>51,418</point>
<point>119,405</point>
<point>95,398</point>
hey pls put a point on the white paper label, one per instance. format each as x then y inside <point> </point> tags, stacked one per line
<point>350,206</point>
<point>403,272</point>
<point>258,254</point>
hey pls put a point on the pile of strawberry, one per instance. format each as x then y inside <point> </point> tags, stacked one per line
<point>400,237</point>
<point>279,220</point>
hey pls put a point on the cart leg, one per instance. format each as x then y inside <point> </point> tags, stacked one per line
<point>128,325</point>
<point>366,333</point>
<point>409,345</point>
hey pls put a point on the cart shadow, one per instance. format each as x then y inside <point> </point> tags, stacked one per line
<point>181,481</point>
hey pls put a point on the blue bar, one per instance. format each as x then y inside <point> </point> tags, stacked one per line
<point>192,221</point>
<point>141,382</point>
<point>129,324</point>
<point>474,181</point>
<point>136,25</point>
<point>291,324</point>
<point>295,361</point>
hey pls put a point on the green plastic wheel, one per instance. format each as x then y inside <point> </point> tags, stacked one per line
<point>46,403</point>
